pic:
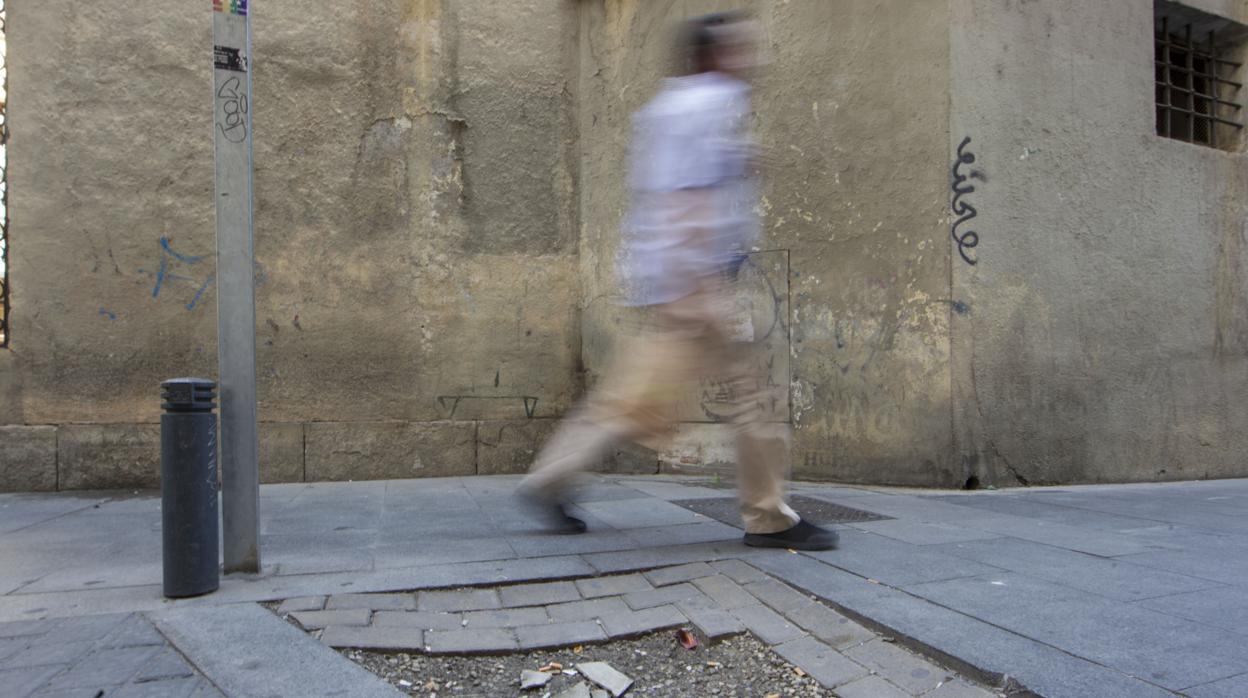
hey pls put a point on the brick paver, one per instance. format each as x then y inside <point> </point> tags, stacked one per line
<point>719,600</point>
<point>827,666</point>
<point>639,600</point>
<point>507,617</point>
<point>725,592</point>
<point>539,594</point>
<point>419,619</point>
<point>682,573</point>
<point>302,603</point>
<point>779,596</point>
<point>613,586</point>
<point>586,610</point>
<point>714,624</point>
<point>466,600</point>
<point>630,623</point>
<point>471,641</point>
<point>375,602</point>
<point>374,637</point>
<point>738,571</point>
<point>315,620</point>
<point>769,626</point>
<point>559,634</point>
<point>830,626</point>
<point>907,670</point>
<point>870,687</point>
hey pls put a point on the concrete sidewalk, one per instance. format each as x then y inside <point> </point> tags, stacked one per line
<point>1132,590</point>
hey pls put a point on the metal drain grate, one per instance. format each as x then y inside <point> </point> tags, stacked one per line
<point>816,511</point>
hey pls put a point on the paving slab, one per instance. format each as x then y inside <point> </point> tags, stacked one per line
<point>424,620</point>
<point>612,586</point>
<point>633,623</point>
<point>539,594</point>
<point>302,603</point>
<point>902,668</point>
<point>897,563</point>
<point>375,602</point>
<point>640,513</point>
<point>384,637</point>
<point>246,650</point>
<point>725,592</point>
<point>871,687</point>
<point>315,620</point>
<point>715,624</point>
<point>559,634</point>
<point>662,596</point>
<point>768,625</point>
<point>586,610</point>
<point>471,641</point>
<point>1233,687</point>
<point>1115,578</point>
<point>680,573</point>
<point>507,617</point>
<point>738,571</point>
<point>824,664</point>
<point>452,601</point>
<point>1042,668</point>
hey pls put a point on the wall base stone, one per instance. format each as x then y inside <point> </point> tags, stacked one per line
<point>27,459</point>
<point>510,446</point>
<point>281,452</point>
<point>338,451</point>
<point>108,456</point>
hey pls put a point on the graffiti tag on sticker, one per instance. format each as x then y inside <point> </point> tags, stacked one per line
<point>234,7</point>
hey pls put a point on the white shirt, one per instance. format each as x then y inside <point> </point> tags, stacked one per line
<point>690,138</point>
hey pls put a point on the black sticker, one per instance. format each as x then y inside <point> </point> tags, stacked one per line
<point>229,59</point>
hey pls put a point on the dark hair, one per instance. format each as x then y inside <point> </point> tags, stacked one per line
<point>700,36</point>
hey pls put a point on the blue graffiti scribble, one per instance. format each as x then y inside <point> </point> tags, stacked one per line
<point>200,292</point>
<point>108,313</point>
<point>163,274</point>
<point>189,259</point>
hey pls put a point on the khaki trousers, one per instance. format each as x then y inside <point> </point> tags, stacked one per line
<point>686,342</point>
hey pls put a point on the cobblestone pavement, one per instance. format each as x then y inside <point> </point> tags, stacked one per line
<point>116,655</point>
<point>720,599</point>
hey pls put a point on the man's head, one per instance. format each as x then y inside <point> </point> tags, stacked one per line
<point>725,42</point>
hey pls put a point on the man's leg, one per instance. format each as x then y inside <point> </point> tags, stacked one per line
<point>762,452</point>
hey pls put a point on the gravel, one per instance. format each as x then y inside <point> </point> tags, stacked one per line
<point>739,666</point>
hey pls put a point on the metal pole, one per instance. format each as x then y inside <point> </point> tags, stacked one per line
<point>236,304</point>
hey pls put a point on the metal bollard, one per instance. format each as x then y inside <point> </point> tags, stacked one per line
<point>188,487</point>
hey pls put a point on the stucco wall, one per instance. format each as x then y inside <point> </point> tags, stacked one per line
<point>1106,332</point>
<point>415,234</point>
<point>439,190</point>
<point>855,253</point>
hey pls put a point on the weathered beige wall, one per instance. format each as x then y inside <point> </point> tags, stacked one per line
<point>416,227</point>
<point>440,185</point>
<point>853,208</point>
<point>1106,332</point>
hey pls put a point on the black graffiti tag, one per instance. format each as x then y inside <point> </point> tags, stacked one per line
<point>962,210</point>
<point>232,104</point>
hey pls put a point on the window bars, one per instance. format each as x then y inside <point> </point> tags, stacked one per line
<point>1197,102</point>
<point>5,334</point>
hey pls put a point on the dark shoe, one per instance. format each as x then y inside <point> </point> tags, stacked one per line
<point>553,514</point>
<point>803,536</point>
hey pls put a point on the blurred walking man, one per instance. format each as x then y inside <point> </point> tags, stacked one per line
<point>691,223</point>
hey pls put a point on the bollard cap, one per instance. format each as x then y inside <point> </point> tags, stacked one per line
<point>188,395</point>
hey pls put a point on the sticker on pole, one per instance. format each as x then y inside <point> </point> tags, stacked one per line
<point>234,7</point>
<point>229,58</point>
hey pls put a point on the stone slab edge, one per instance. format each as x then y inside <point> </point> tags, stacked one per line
<point>247,651</point>
<point>1003,682</point>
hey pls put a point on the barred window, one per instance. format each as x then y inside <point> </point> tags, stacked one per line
<point>1198,68</point>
